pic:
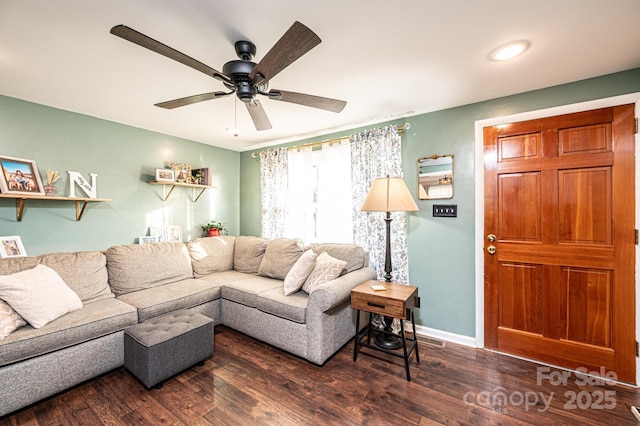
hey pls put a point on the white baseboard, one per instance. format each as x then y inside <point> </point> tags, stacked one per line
<point>444,335</point>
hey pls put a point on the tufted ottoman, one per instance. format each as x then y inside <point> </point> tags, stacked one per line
<point>164,346</point>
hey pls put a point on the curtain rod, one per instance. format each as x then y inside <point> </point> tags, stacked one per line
<point>330,141</point>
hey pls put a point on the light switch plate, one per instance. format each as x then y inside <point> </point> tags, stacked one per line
<point>442,210</point>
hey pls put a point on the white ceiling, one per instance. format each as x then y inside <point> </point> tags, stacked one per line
<point>386,59</point>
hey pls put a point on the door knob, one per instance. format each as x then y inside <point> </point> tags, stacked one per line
<point>491,238</point>
<point>491,249</point>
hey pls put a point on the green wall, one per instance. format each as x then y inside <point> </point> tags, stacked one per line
<point>124,158</point>
<point>441,250</point>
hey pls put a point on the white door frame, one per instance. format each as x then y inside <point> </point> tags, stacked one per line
<point>479,193</point>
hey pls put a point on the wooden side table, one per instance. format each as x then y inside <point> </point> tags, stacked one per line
<point>397,301</point>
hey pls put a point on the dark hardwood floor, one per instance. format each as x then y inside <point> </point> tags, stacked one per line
<point>249,382</point>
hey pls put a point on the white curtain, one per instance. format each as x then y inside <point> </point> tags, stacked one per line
<point>378,153</point>
<point>300,203</point>
<point>334,221</point>
<point>273,182</point>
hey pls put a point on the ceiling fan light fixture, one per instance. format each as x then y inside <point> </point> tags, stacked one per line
<point>509,50</point>
<point>232,131</point>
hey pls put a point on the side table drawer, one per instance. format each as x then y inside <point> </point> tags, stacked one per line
<point>378,305</point>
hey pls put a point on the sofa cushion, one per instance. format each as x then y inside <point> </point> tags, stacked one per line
<point>135,267</point>
<point>248,253</point>
<point>159,300</point>
<point>279,257</point>
<point>226,277</point>
<point>299,272</point>
<point>293,307</point>
<point>39,295</point>
<point>12,265</point>
<point>93,320</point>
<point>10,320</point>
<point>212,254</point>
<point>246,291</point>
<point>355,256</point>
<point>326,269</point>
<point>85,272</point>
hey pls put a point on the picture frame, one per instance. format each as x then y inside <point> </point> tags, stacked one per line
<point>19,176</point>
<point>12,247</point>
<point>158,231</point>
<point>201,176</point>
<point>182,172</point>
<point>165,175</point>
<point>148,239</point>
<point>174,233</point>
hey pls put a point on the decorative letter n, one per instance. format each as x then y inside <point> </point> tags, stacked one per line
<point>76,178</point>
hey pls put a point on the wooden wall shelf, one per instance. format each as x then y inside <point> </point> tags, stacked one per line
<point>81,203</point>
<point>193,186</point>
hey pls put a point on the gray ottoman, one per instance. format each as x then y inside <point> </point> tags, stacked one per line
<point>164,346</point>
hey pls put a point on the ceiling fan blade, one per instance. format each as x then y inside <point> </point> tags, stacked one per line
<point>140,39</point>
<point>259,117</point>
<point>191,100</point>
<point>297,41</point>
<point>328,104</point>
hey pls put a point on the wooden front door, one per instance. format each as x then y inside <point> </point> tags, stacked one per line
<point>560,200</point>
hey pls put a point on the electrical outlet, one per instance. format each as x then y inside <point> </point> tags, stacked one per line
<point>441,210</point>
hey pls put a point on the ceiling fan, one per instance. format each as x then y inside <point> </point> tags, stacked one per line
<point>242,76</point>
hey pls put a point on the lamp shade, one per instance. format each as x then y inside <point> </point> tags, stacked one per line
<point>389,194</point>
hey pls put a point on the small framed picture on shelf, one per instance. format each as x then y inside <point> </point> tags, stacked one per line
<point>19,176</point>
<point>165,175</point>
<point>174,233</point>
<point>150,239</point>
<point>201,176</point>
<point>182,172</point>
<point>11,247</point>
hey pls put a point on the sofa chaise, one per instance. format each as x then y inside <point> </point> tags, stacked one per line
<point>293,297</point>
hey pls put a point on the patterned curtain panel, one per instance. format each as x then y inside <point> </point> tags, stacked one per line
<point>273,179</point>
<point>378,153</point>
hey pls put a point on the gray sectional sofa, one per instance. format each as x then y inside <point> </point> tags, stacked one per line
<point>236,281</point>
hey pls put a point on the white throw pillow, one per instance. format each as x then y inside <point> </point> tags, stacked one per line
<point>326,269</point>
<point>10,320</point>
<point>299,272</point>
<point>39,295</point>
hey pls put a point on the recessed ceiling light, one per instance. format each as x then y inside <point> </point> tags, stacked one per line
<point>509,50</point>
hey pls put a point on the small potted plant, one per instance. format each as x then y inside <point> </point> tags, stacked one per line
<point>214,229</point>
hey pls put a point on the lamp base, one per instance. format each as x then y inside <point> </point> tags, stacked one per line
<point>386,341</point>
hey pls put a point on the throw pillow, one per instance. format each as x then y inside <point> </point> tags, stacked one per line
<point>10,320</point>
<point>39,295</point>
<point>279,257</point>
<point>356,256</point>
<point>327,268</point>
<point>299,272</point>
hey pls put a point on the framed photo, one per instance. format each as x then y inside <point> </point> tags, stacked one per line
<point>201,176</point>
<point>182,172</point>
<point>158,231</point>
<point>149,239</point>
<point>174,233</point>
<point>165,175</point>
<point>11,247</point>
<point>19,176</point>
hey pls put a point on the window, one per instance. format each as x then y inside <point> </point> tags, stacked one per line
<point>319,194</point>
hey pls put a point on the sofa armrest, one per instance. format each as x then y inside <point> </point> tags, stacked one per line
<point>337,291</point>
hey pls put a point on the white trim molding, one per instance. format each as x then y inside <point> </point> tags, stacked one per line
<point>445,335</point>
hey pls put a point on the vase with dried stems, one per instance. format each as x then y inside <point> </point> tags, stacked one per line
<point>52,177</point>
